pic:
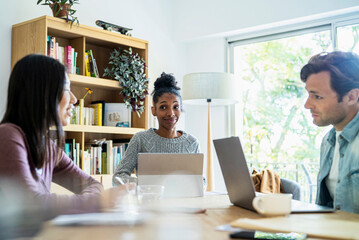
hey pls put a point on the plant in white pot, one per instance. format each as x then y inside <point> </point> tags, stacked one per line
<point>129,69</point>
<point>62,9</point>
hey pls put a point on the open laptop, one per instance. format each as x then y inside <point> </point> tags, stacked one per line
<point>180,173</point>
<point>239,182</point>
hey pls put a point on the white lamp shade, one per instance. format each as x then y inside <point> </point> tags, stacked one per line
<point>221,88</point>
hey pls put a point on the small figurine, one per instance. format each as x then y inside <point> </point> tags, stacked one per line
<point>113,27</point>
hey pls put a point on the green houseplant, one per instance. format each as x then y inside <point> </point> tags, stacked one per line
<point>62,9</point>
<point>129,69</point>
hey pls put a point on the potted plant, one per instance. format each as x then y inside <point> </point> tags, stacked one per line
<point>62,9</point>
<point>129,69</point>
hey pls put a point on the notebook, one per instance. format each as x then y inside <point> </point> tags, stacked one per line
<point>239,182</point>
<point>180,173</point>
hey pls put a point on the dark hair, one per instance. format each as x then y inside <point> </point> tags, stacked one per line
<point>165,84</point>
<point>36,87</point>
<point>342,66</point>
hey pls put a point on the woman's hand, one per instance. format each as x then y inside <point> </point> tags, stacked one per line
<point>112,196</point>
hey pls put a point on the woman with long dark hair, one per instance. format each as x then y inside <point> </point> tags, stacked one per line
<point>39,104</point>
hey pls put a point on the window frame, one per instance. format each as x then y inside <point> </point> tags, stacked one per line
<point>339,24</point>
<point>291,28</point>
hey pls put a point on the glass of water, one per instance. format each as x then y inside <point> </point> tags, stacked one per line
<point>129,202</point>
<point>150,195</point>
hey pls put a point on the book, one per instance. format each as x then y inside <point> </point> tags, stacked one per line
<point>60,54</point>
<point>117,114</point>
<point>87,65</point>
<point>104,159</point>
<point>67,149</point>
<point>51,46</point>
<point>74,71</point>
<point>72,59</point>
<point>90,57</point>
<point>103,110</point>
<point>116,158</point>
<point>72,144</point>
<point>48,45</point>
<point>77,147</point>
<point>109,159</point>
<point>97,113</point>
<point>95,69</point>
<point>120,146</point>
<point>96,157</point>
<point>68,58</point>
<point>75,119</point>
<point>56,50</point>
<point>87,117</point>
<point>92,159</point>
<point>99,160</point>
<point>86,162</point>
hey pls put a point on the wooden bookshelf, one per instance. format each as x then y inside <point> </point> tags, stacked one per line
<point>31,36</point>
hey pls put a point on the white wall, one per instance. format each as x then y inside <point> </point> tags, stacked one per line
<point>203,18</point>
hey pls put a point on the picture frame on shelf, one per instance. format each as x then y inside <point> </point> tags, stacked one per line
<point>117,115</point>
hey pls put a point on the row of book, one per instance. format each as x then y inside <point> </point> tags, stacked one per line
<point>68,56</point>
<point>64,54</point>
<point>97,158</point>
<point>88,116</point>
<point>72,149</point>
<point>100,113</point>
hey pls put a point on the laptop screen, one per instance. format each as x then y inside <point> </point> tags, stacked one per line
<point>234,168</point>
<point>180,173</point>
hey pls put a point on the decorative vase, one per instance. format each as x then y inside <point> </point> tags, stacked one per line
<point>63,12</point>
<point>81,104</point>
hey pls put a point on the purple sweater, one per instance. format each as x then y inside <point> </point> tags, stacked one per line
<point>16,165</point>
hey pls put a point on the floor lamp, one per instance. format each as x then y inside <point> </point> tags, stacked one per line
<point>210,88</point>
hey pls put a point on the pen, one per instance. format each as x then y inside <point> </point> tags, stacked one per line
<point>266,235</point>
<point>119,180</point>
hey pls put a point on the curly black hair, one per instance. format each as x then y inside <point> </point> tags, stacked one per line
<point>166,83</point>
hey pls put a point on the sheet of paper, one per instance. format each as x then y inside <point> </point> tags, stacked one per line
<point>313,227</point>
<point>112,218</point>
<point>228,228</point>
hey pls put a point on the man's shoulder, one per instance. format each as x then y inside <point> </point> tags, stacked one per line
<point>351,130</point>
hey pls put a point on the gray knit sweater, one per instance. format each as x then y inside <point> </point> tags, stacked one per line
<point>150,142</point>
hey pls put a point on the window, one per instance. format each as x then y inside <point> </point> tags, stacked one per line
<point>278,132</point>
<point>348,38</point>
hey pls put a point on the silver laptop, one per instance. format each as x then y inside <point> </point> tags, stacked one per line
<point>180,173</point>
<point>239,182</point>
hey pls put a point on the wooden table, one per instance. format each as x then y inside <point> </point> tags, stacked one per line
<point>174,225</point>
